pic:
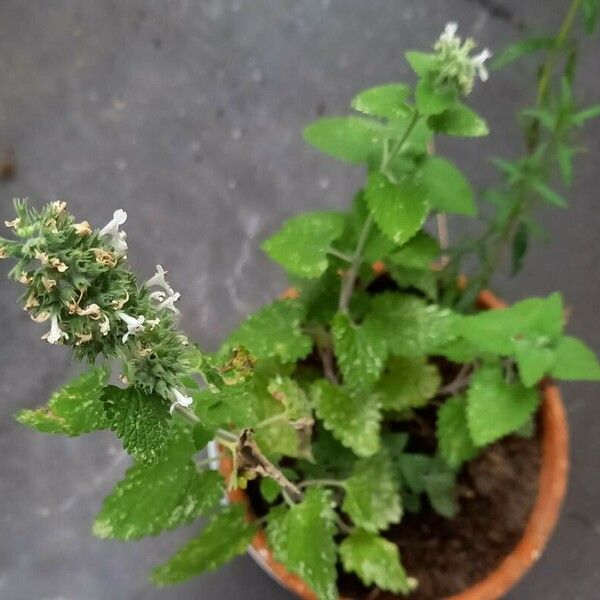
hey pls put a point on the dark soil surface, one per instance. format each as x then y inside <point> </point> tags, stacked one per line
<point>497,492</point>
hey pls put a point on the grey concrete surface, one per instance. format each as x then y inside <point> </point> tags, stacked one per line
<point>187,114</point>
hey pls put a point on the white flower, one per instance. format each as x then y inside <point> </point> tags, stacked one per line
<point>56,333</point>
<point>134,325</point>
<point>166,302</point>
<point>449,32</point>
<point>180,400</point>
<point>158,280</point>
<point>105,325</point>
<point>112,229</point>
<point>478,61</point>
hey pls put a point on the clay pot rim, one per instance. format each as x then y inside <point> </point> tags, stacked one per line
<point>542,520</point>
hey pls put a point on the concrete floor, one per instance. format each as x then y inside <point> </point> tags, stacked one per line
<point>187,114</point>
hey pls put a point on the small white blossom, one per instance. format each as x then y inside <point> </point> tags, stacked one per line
<point>478,61</point>
<point>158,280</point>
<point>449,32</point>
<point>166,302</point>
<point>180,400</point>
<point>152,323</point>
<point>56,334</point>
<point>112,229</point>
<point>134,325</point>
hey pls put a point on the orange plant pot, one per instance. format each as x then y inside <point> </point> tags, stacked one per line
<point>542,520</point>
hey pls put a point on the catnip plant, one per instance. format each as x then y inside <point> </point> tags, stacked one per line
<point>313,397</point>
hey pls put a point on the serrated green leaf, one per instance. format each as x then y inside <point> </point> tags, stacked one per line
<point>225,537</point>
<point>496,408</point>
<point>351,139</point>
<point>399,209</point>
<point>160,497</point>
<point>274,332</point>
<point>376,561</point>
<point>360,351</point>
<point>454,440</point>
<point>449,190</point>
<point>302,539</point>
<point>422,280</point>
<point>73,410</point>
<point>383,101</point>
<point>407,383</point>
<point>290,395</point>
<point>417,253</point>
<point>301,246</point>
<point>420,62</point>
<point>411,326</point>
<point>533,360</point>
<point>432,99</point>
<point>495,331</point>
<point>372,497</point>
<point>459,121</point>
<point>575,361</point>
<point>140,420</point>
<point>353,419</point>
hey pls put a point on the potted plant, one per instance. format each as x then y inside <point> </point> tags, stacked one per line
<point>387,427</point>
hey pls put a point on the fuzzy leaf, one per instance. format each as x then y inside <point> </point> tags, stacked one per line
<point>225,537</point>
<point>454,440</point>
<point>274,332</point>
<point>372,497</point>
<point>449,190</point>
<point>534,361</point>
<point>407,383</point>
<point>73,410</point>
<point>376,561</point>
<point>459,121</point>
<point>360,351</point>
<point>351,139</point>
<point>302,539</point>
<point>575,361</point>
<point>383,101</point>
<point>353,419</point>
<point>160,497</point>
<point>495,331</point>
<point>418,253</point>
<point>420,62</point>
<point>496,408</point>
<point>432,99</point>
<point>140,420</point>
<point>302,244</point>
<point>399,209</point>
<point>411,326</point>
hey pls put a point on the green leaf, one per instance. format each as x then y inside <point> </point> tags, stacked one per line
<point>459,121</point>
<point>274,332</point>
<point>422,64</point>
<point>454,440</point>
<point>440,486</point>
<point>432,99</point>
<point>287,392</point>
<point>585,115</point>
<point>590,11</point>
<point>521,48</point>
<point>411,326</point>
<point>575,361</point>
<point>449,190</point>
<point>225,537</point>
<point>549,195</point>
<point>140,420</point>
<point>160,497</point>
<point>417,253</point>
<point>496,408</point>
<point>351,139</point>
<point>385,101</point>
<point>372,497</point>
<point>73,410</point>
<point>533,360</point>
<point>413,468</point>
<point>269,490</point>
<point>399,209</point>
<point>302,539</point>
<point>423,280</point>
<point>495,331</point>
<point>359,350</point>
<point>202,436</point>
<point>407,383</point>
<point>353,419</point>
<point>376,561</point>
<point>301,246</point>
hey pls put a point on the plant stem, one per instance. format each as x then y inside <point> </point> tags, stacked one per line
<point>352,273</point>
<point>322,482</point>
<point>345,257</point>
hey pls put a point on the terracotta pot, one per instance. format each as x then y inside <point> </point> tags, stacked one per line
<point>543,518</point>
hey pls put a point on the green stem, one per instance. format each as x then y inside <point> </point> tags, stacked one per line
<point>352,273</point>
<point>323,482</point>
